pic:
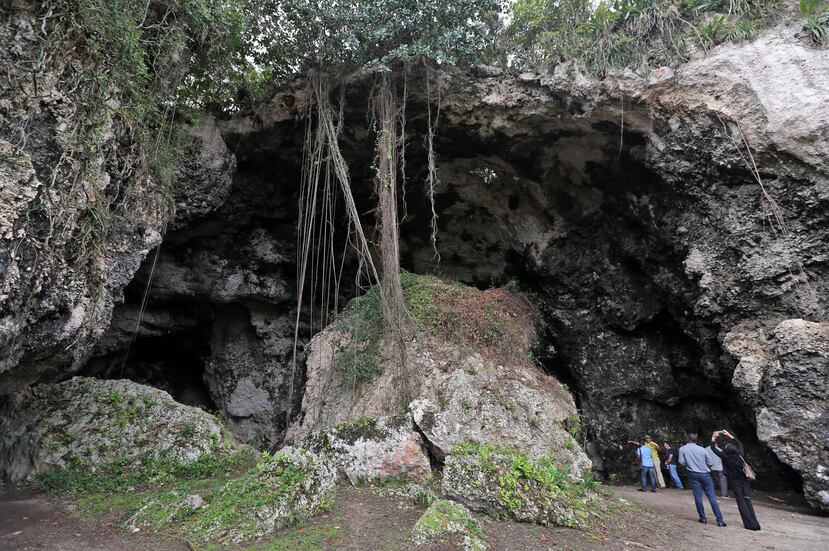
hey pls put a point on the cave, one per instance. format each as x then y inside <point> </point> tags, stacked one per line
<point>581,213</point>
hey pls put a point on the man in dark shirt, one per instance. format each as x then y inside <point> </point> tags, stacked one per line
<point>672,460</point>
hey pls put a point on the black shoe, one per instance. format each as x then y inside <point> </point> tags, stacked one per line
<point>721,524</point>
<point>703,521</point>
<point>654,491</point>
<point>640,490</point>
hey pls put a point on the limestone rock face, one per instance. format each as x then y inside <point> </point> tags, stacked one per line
<point>367,449</point>
<point>95,423</point>
<point>628,205</point>
<point>206,171</point>
<point>786,380</point>
<point>469,399</point>
<point>76,221</point>
<point>458,397</point>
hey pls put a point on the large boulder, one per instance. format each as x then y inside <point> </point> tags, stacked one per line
<point>469,371</point>
<point>94,424</point>
<point>469,398</point>
<point>785,380</point>
<point>506,483</point>
<point>367,449</point>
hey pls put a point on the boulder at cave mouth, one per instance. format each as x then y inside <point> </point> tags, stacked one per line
<point>95,424</point>
<point>470,368</point>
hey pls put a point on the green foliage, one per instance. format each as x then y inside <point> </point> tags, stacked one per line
<point>519,478</point>
<point>281,487</point>
<point>445,518</point>
<point>573,425</point>
<point>298,538</point>
<point>299,35</point>
<point>815,17</point>
<point>359,355</point>
<point>627,33</point>
<point>234,487</point>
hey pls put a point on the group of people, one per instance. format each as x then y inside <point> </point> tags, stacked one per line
<point>703,465</point>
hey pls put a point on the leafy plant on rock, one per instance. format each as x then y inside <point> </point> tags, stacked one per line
<point>815,16</point>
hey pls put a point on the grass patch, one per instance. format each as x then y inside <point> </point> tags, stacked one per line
<point>629,33</point>
<point>120,477</point>
<point>493,321</point>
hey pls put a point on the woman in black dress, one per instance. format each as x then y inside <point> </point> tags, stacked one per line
<point>732,461</point>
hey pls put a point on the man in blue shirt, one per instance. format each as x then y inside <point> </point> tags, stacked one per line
<point>645,455</point>
<point>698,465</point>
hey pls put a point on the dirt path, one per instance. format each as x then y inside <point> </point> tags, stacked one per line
<point>31,522</point>
<point>788,524</point>
<point>364,521</point>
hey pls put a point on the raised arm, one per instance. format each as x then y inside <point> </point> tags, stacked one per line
<point>713,445</point>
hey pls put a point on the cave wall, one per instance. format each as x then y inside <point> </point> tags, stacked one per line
<point>623,207</point>
<point>629,210</point>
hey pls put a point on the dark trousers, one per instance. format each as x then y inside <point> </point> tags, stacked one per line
<point>649,473</point>
<point>702,483</point>
<point>721,481</point>
<point>742,494</point>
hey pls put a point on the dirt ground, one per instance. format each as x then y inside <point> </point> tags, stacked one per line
<point>365,521</point>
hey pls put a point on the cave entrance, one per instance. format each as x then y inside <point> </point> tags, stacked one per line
<point>172,362</point>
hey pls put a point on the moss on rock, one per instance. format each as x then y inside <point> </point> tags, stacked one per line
<point>493,321</point>
<point>369,449</point>
<point>281,490</point>
<point>445,519</point>
<point>104,426</point>
<point>507,483</point>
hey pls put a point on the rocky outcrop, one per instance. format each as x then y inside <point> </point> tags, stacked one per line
<point>630,208</point>
<point>458,396</point>
<point>83,196</point>
<point>505,483</point>
<point>783,377</point>
<point>206,171</point>
<point>282,490</point>
<point>445,520</point>
<point>370,450</point>
<point>78,219</point>
<point>93,424</point>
